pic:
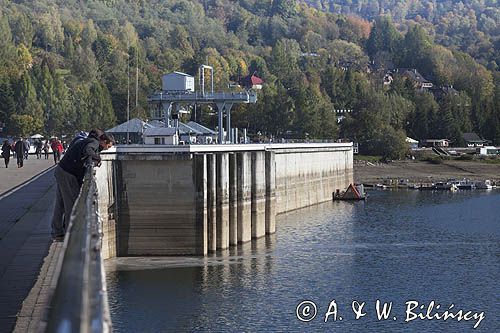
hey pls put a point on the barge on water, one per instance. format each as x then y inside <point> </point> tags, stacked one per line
<point>353,192</point>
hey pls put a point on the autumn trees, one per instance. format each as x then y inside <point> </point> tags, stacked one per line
<point>64,67</point>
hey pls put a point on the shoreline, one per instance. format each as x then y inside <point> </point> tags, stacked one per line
<point>425,172</point>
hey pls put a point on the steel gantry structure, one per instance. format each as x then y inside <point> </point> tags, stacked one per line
<point>164,101</point>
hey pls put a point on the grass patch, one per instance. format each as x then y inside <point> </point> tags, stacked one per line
<point>491,160</point>
<point>368,158</point>
<point>433,159</point>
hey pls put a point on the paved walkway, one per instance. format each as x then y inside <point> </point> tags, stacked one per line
<point>13,176</point>
<point>25,213</point>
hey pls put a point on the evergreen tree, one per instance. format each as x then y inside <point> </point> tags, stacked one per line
<point>100,107</point>
<point>27,102</point>
<point>383,37</point>
<point>7,103</point>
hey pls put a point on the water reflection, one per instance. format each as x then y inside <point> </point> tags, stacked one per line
<point>395,247</point>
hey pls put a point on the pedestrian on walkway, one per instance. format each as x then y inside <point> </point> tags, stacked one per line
<point>38,149</point>
<point>27,146</point>
<point>6,149</point>
<point>57,149</point>
<point>46,147</point>
<point>69,175</point>
<point>19,149</point>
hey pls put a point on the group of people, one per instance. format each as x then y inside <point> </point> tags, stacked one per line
<point>20,150</point>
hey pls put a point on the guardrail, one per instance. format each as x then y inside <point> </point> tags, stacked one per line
<point>79,302</point>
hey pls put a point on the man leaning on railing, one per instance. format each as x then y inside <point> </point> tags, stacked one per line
<point>69,175</point>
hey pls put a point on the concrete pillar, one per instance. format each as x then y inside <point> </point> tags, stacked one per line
<point>211,203</point>
<point>244,197</point>
<point>222,201</point>
<point>200,180</point>
<point>220,112</point>
<point>233,204</point>
<point>270,193</point>
<point>258,194</point>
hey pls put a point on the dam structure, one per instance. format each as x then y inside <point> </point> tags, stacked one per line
<point>157,200</point>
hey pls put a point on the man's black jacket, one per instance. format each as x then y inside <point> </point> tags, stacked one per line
<point>76,157</point>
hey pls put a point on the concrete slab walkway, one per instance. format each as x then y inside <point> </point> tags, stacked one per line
<point>13,176</point>
<point>26,205</point>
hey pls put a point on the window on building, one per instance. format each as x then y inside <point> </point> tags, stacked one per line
<point>157,141</point>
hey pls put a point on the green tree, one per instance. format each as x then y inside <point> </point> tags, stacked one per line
<point>383,37</point>
<point>7,102</point>
<point>100,107</point>
<point>284,8</point>
<point>27,102</point>
<point>24,125</point>
<point>415,50</point>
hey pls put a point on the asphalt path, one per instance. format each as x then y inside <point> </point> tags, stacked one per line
<point>26,204</point>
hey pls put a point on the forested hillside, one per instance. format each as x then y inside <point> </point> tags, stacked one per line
<point>65,65</point>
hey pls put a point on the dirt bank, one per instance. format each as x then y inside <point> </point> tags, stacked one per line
<point>420,171</point>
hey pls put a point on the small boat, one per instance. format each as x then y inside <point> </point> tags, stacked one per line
<point>381,186</point>
<point>486,185</point>
<point>440,186</point>
<point>403,183</point>
<point>426,187</point>
<point>466,184</point>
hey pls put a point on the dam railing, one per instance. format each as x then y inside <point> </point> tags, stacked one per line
<point>79,302</point>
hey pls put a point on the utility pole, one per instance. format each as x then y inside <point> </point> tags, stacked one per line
<point>136,78</point>
<point>128,89</point>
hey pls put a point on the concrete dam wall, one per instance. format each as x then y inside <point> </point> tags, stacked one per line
<point>191,200</point>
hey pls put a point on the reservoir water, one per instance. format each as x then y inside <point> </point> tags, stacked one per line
<point>402,247</point>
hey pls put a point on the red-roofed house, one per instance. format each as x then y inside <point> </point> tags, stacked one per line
<point>251,82</point>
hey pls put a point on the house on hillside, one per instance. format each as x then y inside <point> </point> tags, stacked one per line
<point>442,91</point>
<point>251,82</point>
<point>473,140</point>
<point>419,82</point>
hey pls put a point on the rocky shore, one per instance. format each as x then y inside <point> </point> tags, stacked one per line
<point>425,172</point>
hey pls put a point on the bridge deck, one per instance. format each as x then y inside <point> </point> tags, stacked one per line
<point>26,207</point>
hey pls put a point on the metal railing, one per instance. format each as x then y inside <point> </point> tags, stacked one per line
<point>79,302</point>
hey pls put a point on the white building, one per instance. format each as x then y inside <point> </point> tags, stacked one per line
<point>161,136</point>
<point>488,151</point>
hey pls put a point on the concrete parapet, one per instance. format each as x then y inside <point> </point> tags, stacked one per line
<point>258,194</point>
<point>244,196</point>
<point>106,208</point>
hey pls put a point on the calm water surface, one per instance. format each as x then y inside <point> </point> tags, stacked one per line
<point>395,247</point>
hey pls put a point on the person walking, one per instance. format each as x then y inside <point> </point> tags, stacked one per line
<point>57,149</point>
<point>69,175</point>
<point>19,149</point>
<point>46,147</point>
<point>6,149</point>
<point>38,149</point>
<point>27,146</point>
